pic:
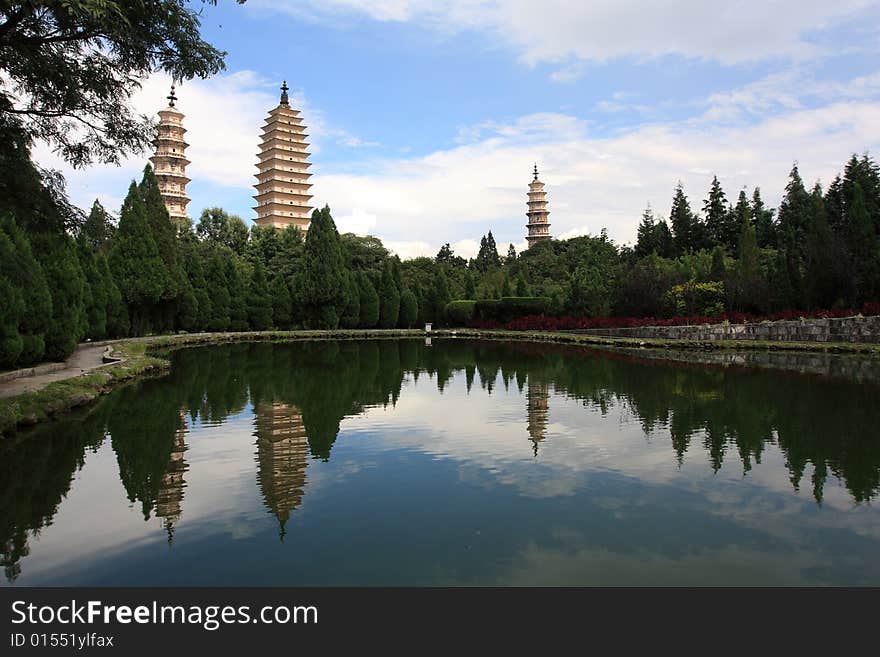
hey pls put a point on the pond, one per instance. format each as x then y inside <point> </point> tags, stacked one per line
<point>462,462</point>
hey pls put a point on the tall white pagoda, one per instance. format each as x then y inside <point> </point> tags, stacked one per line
<point>169,160</point>
<point>538,214</point>
<point>282,172</point>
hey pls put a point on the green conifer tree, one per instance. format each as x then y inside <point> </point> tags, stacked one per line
<point>217,287</point>
<point>11,310</point>
<point>746,286</point>
<point>794,213</point>
<point>97,297</point>
<point>409,309</point>
<point>64,276</point>
<point>98,229</point>
<point>389,298</point>
<point>136,265</point>
<point>821,289</point>
<point>165,235</point>
<point>117,313</point>
<point>646,234</point>
<point>26,274</point>
<point>721,225</point>
<point>323,283</point>
<point>369,301</point>
<point>351,313</point>
<point>688,232</point>
<point>259,300</point>
<point>281,303</point>
<point>762,219</point>
<point>863,245</point>
<point>236,284</point>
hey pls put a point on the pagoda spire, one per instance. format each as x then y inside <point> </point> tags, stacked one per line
<point>538,214</point>
<point>171,97</point>
<point>282,171</point>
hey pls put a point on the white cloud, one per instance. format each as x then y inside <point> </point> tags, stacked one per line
<point>358,222</point>
<point>410,249</point>
<point>595,182</point>
<point>565,32</point>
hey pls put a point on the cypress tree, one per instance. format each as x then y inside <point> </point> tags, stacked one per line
<point>237,287</point>
<point>136,265</point>
<point>97,297</point>
<point>323,283</point>
<point>821,288</point>
<point>522,289</point>
<point>747,271</point>
<point>57,254</point>
<point>117,313</point>
<point>863,246</point>
<point>663,240</point>
<point>721,224</point>
<point>11,310</point>
<point>686,229</point>
<point>834,204</point>
<point>409,309</point>
<point>98,229</point>
<point>762,220</point>
<point>389,299</point>
<point>217,287</point>
<point>259,300</point>
<point>281,303</point>
<point>369,299</point>
<point>194,255</point>
<point>646,236</point>
<point>794,213</point>
<point>351,313</point>
<point>26,275</point>
<point>165,235</point>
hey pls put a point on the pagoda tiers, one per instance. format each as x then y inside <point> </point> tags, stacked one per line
<point>282,177</point>
<point>169,161</point>
<point>539,226</point>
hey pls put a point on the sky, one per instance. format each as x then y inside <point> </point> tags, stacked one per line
<point>426,116</point>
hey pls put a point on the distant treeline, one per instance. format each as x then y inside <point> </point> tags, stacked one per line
<point>65,277</point>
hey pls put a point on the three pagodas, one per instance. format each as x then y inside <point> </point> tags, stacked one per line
<point>282,172</point>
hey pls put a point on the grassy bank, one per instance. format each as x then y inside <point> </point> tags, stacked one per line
<point>145,356</point>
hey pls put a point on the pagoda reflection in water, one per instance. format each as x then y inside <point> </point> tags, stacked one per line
<point>282,456</point>
<point>537,404</point>
<point>169,498</point>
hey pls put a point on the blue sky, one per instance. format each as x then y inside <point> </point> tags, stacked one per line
<point>426,117</point>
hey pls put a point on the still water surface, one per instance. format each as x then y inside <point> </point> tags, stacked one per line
<point>395,463</point>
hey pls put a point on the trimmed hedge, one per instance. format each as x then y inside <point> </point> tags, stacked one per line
<point>507,309</point>
<point>460,313</point>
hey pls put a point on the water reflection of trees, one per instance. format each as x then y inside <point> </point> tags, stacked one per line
<point>302,392</point>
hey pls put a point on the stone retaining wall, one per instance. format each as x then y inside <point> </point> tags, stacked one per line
<point>840,329</point>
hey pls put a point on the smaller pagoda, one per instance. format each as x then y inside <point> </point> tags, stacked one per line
<point>538,225</point>
<point>169,161</point>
